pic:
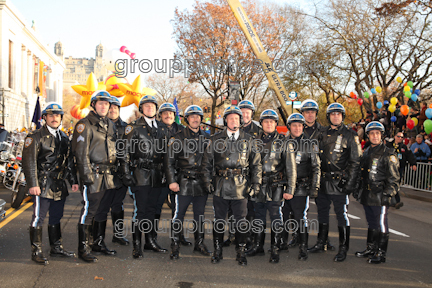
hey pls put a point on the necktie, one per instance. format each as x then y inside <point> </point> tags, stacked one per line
<point>57,138</point>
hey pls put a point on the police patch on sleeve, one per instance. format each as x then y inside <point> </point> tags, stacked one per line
<point>393,159</point>
<point>80,128</point>
<point>357,140</point>
<point>128,129</point>
<point>171,141</point>
<point>28,141</point>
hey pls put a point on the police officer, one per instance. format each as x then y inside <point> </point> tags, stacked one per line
<point>167,113</point>
<point>379,184</point>
<point>278,168</point>
<point>113,198</point>
<point>46,163</point>
<point>94,148</point>
<point>308,180</point>
<point>340,154</point>
<point>234,160</point>
<point>144,158</point>
<point>309,110</point>
<point>184,177</point>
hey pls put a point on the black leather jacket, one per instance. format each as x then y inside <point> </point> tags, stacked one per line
<point>174,129</point>
<point>278,168</point>
<point>340,153</point>
<point>233,166</point>
<point>252,129</point>
<point>313,132</point>
<point>120,125</point>
<point>308,167</point>
<point>183,166</point>
<point>144,156</point>
<point>94,148</point>
<point>379,175</point>
<point>47,165</point>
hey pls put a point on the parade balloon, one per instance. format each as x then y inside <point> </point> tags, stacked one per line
<point>366,94</point>
<point>414,97</point>
<point>410,124</point>
<point>407,88</point>
<point>87,90</point>
<point>428,126</point>
<point>405,84</point>
<point>393,119</point>
<point>399,79</point>
<point>410,84</point>
<point>378,89</point>
<point>430,105</point>
<point>352,94</point>
<point>386,102</point>
<point>379,105</point>
<point>417,91</point>
<point>111,84</point>
<point>373,91</point>
<point>77,113</point>
<point>404,110</point>
<point>429,113</point>
<point>415,121</point>
<point>408,94</point>
<point>392,108</point>
<point>133,93</point>
<point>360,101</point>
<point>393,100</point>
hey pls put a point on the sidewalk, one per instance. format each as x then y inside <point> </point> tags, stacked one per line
<point>416,194</point>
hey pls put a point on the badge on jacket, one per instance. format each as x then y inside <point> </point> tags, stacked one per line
<point>393,159</point>
<point>28,142</point>
<point>128,129</point>
<point>80,128</point>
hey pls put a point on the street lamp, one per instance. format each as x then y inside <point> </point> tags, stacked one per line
<point>3,90</point>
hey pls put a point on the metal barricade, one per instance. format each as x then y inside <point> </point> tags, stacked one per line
<point>421,179</point>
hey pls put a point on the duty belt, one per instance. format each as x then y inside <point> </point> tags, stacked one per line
<point>144,164</point>
<point>104,169</point>
<point>271,177</point>
<point>332,175</point>
<point>191,174</point>
<point>232,172</point>
<point>304,182</point>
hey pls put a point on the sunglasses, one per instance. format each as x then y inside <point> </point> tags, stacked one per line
<point>399,136</point>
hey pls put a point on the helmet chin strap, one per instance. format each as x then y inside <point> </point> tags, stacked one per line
<point>149,116</point>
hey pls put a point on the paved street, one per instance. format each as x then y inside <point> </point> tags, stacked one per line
<point>408,261</point>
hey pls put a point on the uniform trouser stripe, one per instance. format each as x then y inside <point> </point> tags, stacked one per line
<point>382,218</point>
<point>36,211</point>
<point>305,212</point>
<point>135,207</point>
<point>345,213</point>
<point>86,205</point>
<point>176,207</point>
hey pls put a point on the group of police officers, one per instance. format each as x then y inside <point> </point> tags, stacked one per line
<point>249,169</point>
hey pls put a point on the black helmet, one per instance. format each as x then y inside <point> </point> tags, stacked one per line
<point>52,108</point>
<point>295,117</point>
<point>147,99</point>
<point>100,95</point>
<point>269,114</point>
<point>232,110</point>
<point>167,107</point>
<point>193,110</point>
<point>335,107</point>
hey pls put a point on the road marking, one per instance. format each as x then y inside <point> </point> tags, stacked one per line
<point>13,209</point>
<point>398,233</point>
<point>13,216</point>
<point>353,217</point>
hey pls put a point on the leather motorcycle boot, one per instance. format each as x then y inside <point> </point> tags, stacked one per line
<point>275,242</point>
<point>284,240</point>
<point>183,240</point>
<point>150,242</point>
<point>175,243</point>
<point>199,242</point>
<point>250,235</point>
<point>84,250</point>
<point>55,239</point>
<point>320,246</point>
<point>217,243</point>
<point>344,235</point>
<point>294,239</point>
<point>379,256</point>
<point>36,245</point>
<point>156,224</point>
<point>303,243</point>
<point>114,217</point>
<point>329,246</point>
<point>241,248</point>
<point>136,242</point>
<point>371,244</point>
<point>258,247</point>
<point>98,238</point>
<point>230,240</point>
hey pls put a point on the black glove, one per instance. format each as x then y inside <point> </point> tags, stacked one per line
<point>313,193</point>
<point>128,180</point>
<point>385,200</point>
<point>355,194</point>
<point>209,188</point>
<point>254,191</point>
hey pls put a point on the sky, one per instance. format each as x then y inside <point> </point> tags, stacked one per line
<point>142,26</point>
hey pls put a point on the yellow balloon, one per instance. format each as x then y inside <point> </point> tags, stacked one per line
<point>415,121</point>
<point>87,90</point>
<point>393,101</point>
<point>407,88</point>
<point>392,108</point>
<point>134,93</point>
<point>378,89</point>
<point>112,85</point>
<point>399,79</point>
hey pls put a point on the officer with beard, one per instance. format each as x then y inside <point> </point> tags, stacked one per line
<point>184,177</point>
<point>340,153</point>
<point>94,148</point>
<point>236,163</point>
<point>307,182</point>
<point>278,168</point>
<point>141,166</point>
<point>113,198</point>
<point>378,185</point>
<point>46,164</point>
